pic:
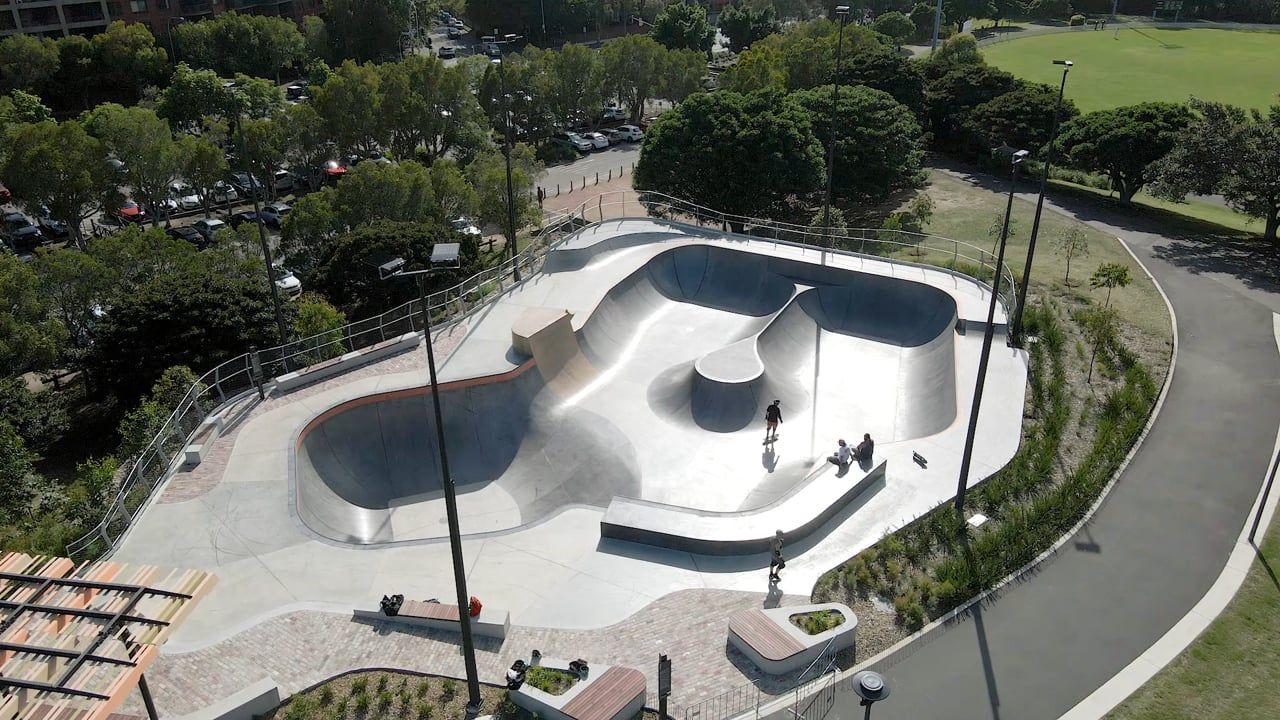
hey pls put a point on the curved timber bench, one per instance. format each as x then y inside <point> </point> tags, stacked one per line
<point>798,513</point>
<point>770,640</point>
<point>607,693</point>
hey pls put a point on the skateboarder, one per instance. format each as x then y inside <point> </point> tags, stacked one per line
<point>772,416</point>
<point>776,563</point>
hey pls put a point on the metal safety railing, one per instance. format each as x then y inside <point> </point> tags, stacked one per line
<point>245,377</point>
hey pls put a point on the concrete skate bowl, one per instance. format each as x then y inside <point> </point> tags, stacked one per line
<point>881,349</point>
<point>367,471</point>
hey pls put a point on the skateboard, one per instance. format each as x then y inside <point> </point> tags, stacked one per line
<point>770,440</point>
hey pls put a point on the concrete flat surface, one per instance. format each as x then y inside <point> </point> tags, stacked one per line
<point>548,451</point>
<point>1164,533</point>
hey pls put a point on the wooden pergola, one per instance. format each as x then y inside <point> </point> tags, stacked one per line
<point>75,640</point>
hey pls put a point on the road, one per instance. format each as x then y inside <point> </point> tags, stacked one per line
<point>601,161</point>
<point>1164,533</point>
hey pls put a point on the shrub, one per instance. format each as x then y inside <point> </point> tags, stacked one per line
<point>422,711</point>
<point>424,687</point>
<point>359,685</point>
<point>448,689</point>
<point>1049,9</point>
<point>556,154</point>
<point>382,683</point>
<point>1077,20</point>
<point>326,695</point>
<point>362,702</point>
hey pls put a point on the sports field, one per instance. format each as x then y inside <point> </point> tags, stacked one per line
<point>1137,64</point>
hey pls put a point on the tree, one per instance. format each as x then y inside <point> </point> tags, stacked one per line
<point>1071,243</point>
<point>1021,118</point>
<point>684,26</point>
<point>204,166</point>
<point>1124,142</point>
<point>952,97</point>
<point>1099,325</point>
<point>633,68</point>
<point>573,83</point>
<point>896,26</point>
<point>17,465</point>
<point>996,228</point>
<point>38,419</point>
<point>958,11</point>
<point>140,425</point>
<point>877,141</point>
<point>1231,152</point>
<point>740,154</point>
<point>76,287</point>
<point>488,177</point>
<point>744,25</point>
<point>29,338</point>
<point>349,104</point>
<point>315,37</point>
<point>879,67</point>
<point>154,160</point>
<point>71,85</point>
<point>365,30</point>
<point>27,62</point>
<point>322,323</point>
<point>424,105</point>
<point>19,107</point>
<point>453,192</point>
<point>682,74</point>
<point>1110,276</point>
<point>922,17</point>
<point>196,315</point>
<point>193,95</point>
<point>62,168</point>
<point>758,68</point>
<point>128,59</point>
<point>1049,9</point>
<point>261,143</point>
<point>305,140</point>
<point>954,53</point>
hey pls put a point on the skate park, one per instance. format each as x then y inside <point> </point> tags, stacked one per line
<point>609,400</point>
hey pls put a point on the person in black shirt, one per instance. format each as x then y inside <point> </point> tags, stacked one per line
<point>772,416</point>
<point>865,448</point>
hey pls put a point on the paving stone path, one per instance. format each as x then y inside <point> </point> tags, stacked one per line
<point>303,648</point>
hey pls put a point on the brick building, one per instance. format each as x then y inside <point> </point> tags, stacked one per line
<point>56,18</point>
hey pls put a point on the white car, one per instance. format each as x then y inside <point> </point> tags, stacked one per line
<point>275,213</point>
<point>630,133</point>
<point>288,283</point>
<point>185,197</point>
<point>613,113</point>
<point>466,226</point>
<point>223,193</point>
<point>210,227</point>
<point>573,140</point>
<point>282,181</point>
<point>597,140</point>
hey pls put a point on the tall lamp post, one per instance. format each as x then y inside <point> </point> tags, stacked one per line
<point>871,687</point>
<point>842,12</point>
<point>254,186</point>
<point>506,100</point>
<point>1016,327</point>
<point>937,26</point>
<point>168,30</point>
<point>988,333</point>
<point>444,257</point>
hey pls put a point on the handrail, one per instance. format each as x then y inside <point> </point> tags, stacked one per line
<point>236,379</point>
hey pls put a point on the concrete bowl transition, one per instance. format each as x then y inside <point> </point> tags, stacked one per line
<point>657,394</point>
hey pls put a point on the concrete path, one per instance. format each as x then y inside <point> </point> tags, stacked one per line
<point>1164,533</point>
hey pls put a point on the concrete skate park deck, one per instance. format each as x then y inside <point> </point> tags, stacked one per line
<point>681,337</point>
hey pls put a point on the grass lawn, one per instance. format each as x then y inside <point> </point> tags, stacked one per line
<point>1230,671</point>
<point>964,212</point>
<point>1136,64</point>
<point>1196,209</point>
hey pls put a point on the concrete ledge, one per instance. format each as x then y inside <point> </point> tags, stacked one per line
<point>797,514</point>
<point>742,636</point>
<point>349,361</point>
<point>246,704</point>
<point>492,622</point>
<point>624,699</point>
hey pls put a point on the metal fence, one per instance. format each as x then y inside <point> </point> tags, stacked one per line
<point>245,378</point>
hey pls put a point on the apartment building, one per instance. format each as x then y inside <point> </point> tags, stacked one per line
<point>56,18</point>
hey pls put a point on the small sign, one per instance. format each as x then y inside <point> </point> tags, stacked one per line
<point>664,676</point>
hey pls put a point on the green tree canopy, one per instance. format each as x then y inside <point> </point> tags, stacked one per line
<point>1124,142</point>
<point>877,141</point>
<point>743,25</point>
<point>30,339</point>
<point>488,177</point>
<point>128,59</point>
<point>233,44</point>
<point>192,96</point>
<point>27,62</point>
<point>951,98</point>
<point>684,26</point>
<point>896,26</point>
<point>1020,118</point>
<point>153,159</point>
<point>1232,152</point>
<point>739,154</point>
<point>365,30</point>
<point>633,68</point>
<point>348,103</point>
<point>879,67</point>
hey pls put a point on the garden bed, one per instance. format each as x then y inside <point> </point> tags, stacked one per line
<point>817,622</point>
<point>550,680</point>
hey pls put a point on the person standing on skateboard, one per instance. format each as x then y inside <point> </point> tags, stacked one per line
<point>772,416</point>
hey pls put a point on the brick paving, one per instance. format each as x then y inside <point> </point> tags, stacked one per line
<point>303,648</point>
<point>190,484</point>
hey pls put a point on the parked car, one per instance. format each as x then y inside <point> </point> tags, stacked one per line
<point>333,170</point>
<point>244,183</point>
<point>20,232</point>
<point>167,206</point>
<point>130,211</point>
<point>240,218</point>
<point>377,157</point>
<point>629,133</point>
<point>209,227</point>
<point>117,165</point>
<point>573,140</point>
<point>613,113</point>
<point>446,52</point>
<point>222,192</point>
<point>466,226</point>
<point>189,234</point>
<point>453,33</point>
<point>598,140</point>
<point>275,213</point>
<point>288,283</point>
<point>52,229</point>
<point>185,197</point>
<point>296,92</point>
<point>282,181</point>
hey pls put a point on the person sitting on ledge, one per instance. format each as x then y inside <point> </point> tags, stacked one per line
<point>843,455</point>
<point>865,449</point>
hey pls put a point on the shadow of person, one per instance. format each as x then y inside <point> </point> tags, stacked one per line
<point>842,470</point>
<point>865,464</point>
<point>773,598</point>
<point>769,459</point>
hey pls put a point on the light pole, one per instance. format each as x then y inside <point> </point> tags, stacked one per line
<point>254,185</point>
<point>987,334</point>
<point>937,26</point>
<point>168,29</point>
<point>445,257</point>
<point>842,12</point>
<point>1016,327</point>
<point>871,687</point>
<point>506,100</point>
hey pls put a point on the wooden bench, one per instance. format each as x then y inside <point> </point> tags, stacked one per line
<point>764,635</point>
<point>606,696</point>
<point>491,622</point>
